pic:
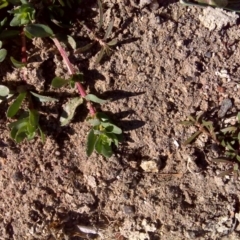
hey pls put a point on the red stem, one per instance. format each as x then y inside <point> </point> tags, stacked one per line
<point>24,48</point>
<point>72,71</point>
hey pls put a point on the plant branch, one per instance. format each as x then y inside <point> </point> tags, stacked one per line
<point>72,71</point>
<point>24,48</point>
<point>100,41</point>
<point>203,130</point>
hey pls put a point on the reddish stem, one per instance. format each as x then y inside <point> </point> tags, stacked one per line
<point>24,48</point>
<point>72,71</point>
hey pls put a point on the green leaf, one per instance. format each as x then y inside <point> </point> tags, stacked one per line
<point>33,118</point>
<point>3,4</point>
<point>14,107</point>
<point>4,21</point>
<point>230,154</point>
<point>192,138</point>
<point>238,117</point>
<point>42,98</point>
<point>113,42</point>
<point>100,13</point>
<point>71,42</point>
<point>191,118</point>
<point>227,172</point>
<point>20,137</point>
<point>223,143</point>
<point>16,63</point>
<point>4,91</point>
<point>18,123</point>
<point>106,150</point>
<point>69,110</point>
<point>229,147</point>
<point>113,137</point>
<point>222,160</point>
<point>42,134</point>
<point>93,98</point>
<point>208,125</point>
<point>103,146</point>
<point>98,145</point>
<point>15,126</point>
<point>111,128</point>
<point>228,129</point>
<point>85,48</point>
<point>58,82</point>
<point>77,78</point>
<point>102,116</point>
<point>91,140</point>
<point>238,137</point>
<point>9,34</point>
<point>3,54</point>
<point>108,31</point>
<point>100,56</point>
<point>186,123</point>
<point>0,44</point>
<point>72,84</point>
<point>39,30</point>
<point>235,167</point>
<point>94,121</point>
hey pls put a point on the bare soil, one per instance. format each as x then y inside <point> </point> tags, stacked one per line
<point>162,70</point>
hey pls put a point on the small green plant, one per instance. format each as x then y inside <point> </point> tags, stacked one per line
<point>102,135</point>
<point>227,137</point>
<point>25,125</point>
<point>105,43</point>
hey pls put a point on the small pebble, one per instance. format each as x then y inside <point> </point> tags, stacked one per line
<point>208,54</point>
<point>17,176</point>
<point>225,106</point>
<point>57,153</point>
<point>154,5</point>
<point>128,210</point>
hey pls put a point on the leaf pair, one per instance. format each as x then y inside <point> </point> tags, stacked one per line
<point>233,170</point>
<point>26,128</point>
<point>105,45</point>
<point>23,15</point>
<point>15,106</point>
<point>102,135</point>
<point>58,82</point>
<point>3,52</point>
<point>71,106</point>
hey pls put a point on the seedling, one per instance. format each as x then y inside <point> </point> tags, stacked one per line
<point>227,137</point>
<point>103,133</point>
<point>105,43</point>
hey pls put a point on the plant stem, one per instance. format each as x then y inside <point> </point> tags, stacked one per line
<point>24,48</point>
<point>203,130</point>
<point>101,42</point>
<point>72,71</point>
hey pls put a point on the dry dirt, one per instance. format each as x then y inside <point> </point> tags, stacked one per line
<point>166,66</point>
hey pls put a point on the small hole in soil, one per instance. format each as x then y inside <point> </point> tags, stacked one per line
<point>34,215</point>
<point>200,160</point>
<point>199,66</point>
<point>163,160</point>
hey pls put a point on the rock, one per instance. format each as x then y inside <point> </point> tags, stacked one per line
<point>128,210</point>
<point>149,166</point>
<point>216,18</point>
<point>225,106</point>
